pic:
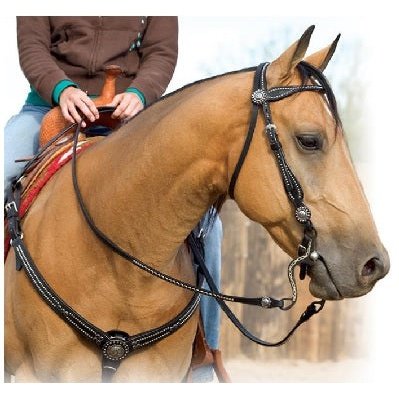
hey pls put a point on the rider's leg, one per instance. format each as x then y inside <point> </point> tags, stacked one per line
<point>213,259</point>
<point>21,139</point>
<point>210,310</point>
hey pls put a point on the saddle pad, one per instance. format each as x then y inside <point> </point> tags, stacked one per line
<point>32,183</point>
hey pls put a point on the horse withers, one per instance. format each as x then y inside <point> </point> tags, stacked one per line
<point>148,184</point>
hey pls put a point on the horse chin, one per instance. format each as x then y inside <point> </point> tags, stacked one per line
<point>326,291</point>
<point>324,285</point>
<point>321,285</point>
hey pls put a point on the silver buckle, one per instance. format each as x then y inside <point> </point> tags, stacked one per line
<point>20,236</point>
<point>201,234</point>
<point>22,177</point>
<point>10,205</point>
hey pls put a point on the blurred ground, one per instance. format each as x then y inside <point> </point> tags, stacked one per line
<point>245,370</point>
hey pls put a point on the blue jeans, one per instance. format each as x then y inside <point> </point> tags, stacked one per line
<point>213,258</point>
<point>210,309</point>
<point>21,139</point>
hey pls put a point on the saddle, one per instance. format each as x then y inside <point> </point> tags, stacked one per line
<point>54,122</point>
<point>53,155</point>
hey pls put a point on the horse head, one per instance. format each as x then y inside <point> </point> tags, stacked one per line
<point>352,257</point>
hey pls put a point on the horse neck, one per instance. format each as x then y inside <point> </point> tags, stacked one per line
<point>160,173</point>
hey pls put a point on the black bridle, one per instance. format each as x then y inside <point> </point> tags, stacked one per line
<point>115,345</point>
<point>262,97</point>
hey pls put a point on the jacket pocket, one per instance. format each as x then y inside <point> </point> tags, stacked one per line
<point>74,45</point>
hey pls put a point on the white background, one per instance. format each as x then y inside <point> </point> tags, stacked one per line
<point>199,39</point>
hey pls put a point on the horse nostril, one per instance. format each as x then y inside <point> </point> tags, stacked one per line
<point>371,267</point>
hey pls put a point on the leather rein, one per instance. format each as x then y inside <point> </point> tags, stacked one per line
<point>116,345</point>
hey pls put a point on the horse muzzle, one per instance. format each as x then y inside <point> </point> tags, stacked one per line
<point>332,279</point>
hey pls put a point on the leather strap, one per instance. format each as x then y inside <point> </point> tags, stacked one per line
<point>264,301</point>
<point>204,356</point>
<point>249,136</point>
<point>314,308</point>
<point>115,345</point>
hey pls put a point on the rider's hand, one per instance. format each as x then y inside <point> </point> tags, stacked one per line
<point>73,100</point>
<point>127,105</point>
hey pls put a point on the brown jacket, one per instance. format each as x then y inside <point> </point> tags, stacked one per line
<point>77,48</point>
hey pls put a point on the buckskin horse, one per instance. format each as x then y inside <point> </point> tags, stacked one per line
<point>147,185</point>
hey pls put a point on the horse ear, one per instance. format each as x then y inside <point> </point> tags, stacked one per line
<point>285,64</point>
<point>321,58</point>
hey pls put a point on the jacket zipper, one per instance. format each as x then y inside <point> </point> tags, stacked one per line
<point>93,58</point>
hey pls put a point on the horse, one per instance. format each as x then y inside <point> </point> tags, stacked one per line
<point>148,184</point>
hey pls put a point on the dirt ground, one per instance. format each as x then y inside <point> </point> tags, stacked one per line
<point>244,370</point>
<point>297,371</point>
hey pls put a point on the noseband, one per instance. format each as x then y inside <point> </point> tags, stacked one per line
<point>116,345</point>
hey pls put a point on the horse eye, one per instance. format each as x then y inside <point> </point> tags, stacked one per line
<point>310,142</point>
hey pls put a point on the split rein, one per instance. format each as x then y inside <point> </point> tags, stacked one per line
<point>115,345</point>
<point>196,245</point>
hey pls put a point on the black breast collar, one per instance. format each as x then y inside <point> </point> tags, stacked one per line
<point>116,345</point>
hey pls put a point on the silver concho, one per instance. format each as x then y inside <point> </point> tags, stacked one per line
<point>302,214</point>
<point>258,96</point>
<point>115,349</point>
<point>266,302</point>
<point>314,256</point>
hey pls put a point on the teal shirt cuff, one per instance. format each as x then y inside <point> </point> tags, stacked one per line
<point>137,92</point>
<point>34,98</point>
<point>59,88</point>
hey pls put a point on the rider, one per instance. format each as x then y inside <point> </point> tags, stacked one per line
<point>63,60</point>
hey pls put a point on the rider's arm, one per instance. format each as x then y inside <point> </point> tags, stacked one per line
<point>36,61</point>
<point>158,57</point>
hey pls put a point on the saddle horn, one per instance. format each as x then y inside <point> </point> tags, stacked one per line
<point>53,122</point>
